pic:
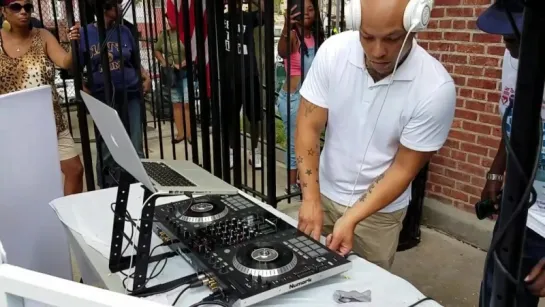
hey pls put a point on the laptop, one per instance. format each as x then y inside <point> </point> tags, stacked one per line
<point>167,176</point>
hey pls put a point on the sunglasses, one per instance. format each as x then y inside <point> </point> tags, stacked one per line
<point>16,7</point>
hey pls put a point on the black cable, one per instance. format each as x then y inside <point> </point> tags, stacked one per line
<point>210,303</point>
<point>421,301</point>
<point>528,191</point>
<point>180,295</point>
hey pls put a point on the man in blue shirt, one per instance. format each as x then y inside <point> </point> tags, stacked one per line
<point>125,74</point>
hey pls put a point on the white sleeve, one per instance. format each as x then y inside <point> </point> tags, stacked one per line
<point>429,126</point>
<point>316,84</point>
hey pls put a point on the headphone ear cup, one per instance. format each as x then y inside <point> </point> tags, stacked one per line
<point>417,15</point>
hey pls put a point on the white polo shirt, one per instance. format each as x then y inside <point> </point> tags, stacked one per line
<point>417,113</point>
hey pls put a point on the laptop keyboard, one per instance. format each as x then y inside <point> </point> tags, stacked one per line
<point>166,176</point>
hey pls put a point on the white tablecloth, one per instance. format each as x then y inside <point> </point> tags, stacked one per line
<point>90,215</point>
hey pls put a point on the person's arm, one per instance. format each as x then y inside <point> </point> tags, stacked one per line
<point>55,52</point>
<point>158,46</point>
<point>285,45</point>
<point>311,121</point>
<point>425,133</point>
<point>500,160</point>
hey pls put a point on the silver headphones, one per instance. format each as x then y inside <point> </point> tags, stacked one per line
<point>416,16</point>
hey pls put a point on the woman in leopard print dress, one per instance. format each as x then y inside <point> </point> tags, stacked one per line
<point>28,57</point>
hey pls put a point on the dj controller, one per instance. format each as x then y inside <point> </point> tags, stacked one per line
<point>246,252</point>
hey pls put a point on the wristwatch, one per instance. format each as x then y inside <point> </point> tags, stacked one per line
<point>494,177</point>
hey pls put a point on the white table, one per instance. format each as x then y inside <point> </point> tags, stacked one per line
<point>88,219</point>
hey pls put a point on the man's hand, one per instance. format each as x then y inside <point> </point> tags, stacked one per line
<point>311,219</point>
<point>535,281</point>
<point>342,238</point>
<point>491,190</point>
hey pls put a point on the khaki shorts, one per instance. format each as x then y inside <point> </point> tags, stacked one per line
<point>66,145</point>
<point>375,238</point>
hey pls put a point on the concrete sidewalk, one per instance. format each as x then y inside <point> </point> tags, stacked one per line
<point>441,267</point>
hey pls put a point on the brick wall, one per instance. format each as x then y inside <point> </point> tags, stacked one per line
<point>474,60</point>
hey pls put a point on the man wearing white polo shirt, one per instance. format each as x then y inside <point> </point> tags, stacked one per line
<point>381,129</point>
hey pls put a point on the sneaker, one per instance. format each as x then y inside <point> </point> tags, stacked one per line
<point>294,188</point>
<point>257,163</point>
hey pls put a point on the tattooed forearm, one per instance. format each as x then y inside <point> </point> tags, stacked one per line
<point>309,107</point>
<point>371,187</point>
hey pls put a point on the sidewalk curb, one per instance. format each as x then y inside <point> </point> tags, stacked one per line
<point>462,225</point>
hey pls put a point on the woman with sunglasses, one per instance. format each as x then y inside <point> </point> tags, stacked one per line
<point>28,57</point>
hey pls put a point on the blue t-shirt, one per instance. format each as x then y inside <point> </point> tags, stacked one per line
<point>126,79</point>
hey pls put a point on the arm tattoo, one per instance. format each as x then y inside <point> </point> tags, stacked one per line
<point>310,152</point>
<point>309,107</point>
<point>299,160</point>
<point>308,172</point>
<point>371,188</point>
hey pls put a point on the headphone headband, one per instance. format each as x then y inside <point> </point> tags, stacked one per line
<point>415,17</point>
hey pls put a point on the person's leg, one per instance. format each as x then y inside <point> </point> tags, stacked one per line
<point>254,113</point>
<point>135,125</point>
<point>486,285</point>
<point>289,129</point>
<point>71,166</point>
<point>376,238</point>
<point>185,112</point>
<point>294,106</point>
<point>177,113</point>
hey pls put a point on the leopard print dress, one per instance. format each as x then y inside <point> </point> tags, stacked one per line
<point>32,69</point>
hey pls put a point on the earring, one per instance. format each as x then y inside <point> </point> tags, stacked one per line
<point>6,26</point>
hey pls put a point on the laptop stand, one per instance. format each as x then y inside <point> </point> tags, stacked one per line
<point>141,259</point>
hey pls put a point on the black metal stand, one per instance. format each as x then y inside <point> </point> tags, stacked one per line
<point>524,140</point>
<point>142,259</point>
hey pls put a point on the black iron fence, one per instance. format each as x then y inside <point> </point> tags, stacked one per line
<point>204,74</point>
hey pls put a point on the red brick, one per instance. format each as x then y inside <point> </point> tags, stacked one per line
<point>495,50</point>
<point>452,144</point>
<point>468,70</point>
<point>482,83</point>
<point>476,127</point>
<point>444,151</point>
<point>492,153</point>
<point>492,73</point>
<point>456,194</point>
<point>472,148</point>
<point>462,136</point>
<point>479,94</point>
<point>459,12</point>
<point>441,46</point>
<point>490,119</point>
<point>459,103</point>
<point>436,168</point>
<point>488,141</point>
<point>475,105</point>
<point>470,48</point>
<point>457,175</point>
<point>460,113</point>
<point>471,169</point>
<point>428,35</point>
<point>469,189</point>
<point>458,155</point>
<point>437,12</point>
<point>484,61</point>
<point>445,24</point>
<point>475,2</point>
<point>441,180</point>
<point>457,36</point>
<point>444,161</point>
<point>465,92</point>
<point>447,2</point>
<point>459,80</point>
<point>493,97</point>
<point>487,162</point>
<point>456,123</point>
<point>472,24</point>
<point>474,159</point>
<point>459,24</point>
<point>486,38</point>
<point>433,24</point>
